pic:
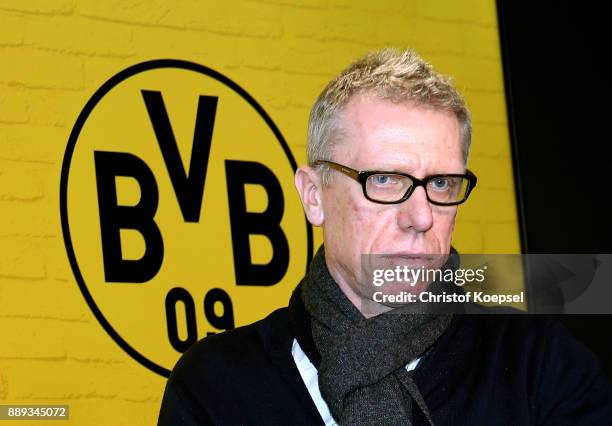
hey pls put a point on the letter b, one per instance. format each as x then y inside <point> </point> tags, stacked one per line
<point>114,217</point>
<point>267,223</point>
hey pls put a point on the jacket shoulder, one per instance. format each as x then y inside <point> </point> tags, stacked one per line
<point>235,349</point>
<point>235,377</point>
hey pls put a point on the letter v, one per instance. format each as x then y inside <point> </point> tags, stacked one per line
<point>188,188</point>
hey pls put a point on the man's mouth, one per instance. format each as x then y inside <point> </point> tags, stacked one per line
<point>414,260</point>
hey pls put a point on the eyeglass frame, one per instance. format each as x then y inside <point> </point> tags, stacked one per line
<point>362,176</point>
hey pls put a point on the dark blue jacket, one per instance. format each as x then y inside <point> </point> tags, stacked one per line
<point>485,370</point>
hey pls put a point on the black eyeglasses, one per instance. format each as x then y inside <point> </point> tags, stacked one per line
<point>393,187</point>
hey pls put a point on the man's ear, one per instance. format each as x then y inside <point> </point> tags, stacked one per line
<point>308,184</point>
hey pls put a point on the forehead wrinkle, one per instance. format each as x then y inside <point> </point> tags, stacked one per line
<point>393,141</point>
<point>392,134</point>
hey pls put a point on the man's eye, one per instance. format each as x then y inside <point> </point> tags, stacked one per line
<point>440,184</point>
<point>384,180</point>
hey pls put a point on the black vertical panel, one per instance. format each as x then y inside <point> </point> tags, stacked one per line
<point>559,100</point>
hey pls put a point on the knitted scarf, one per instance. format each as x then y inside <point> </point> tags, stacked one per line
<point>361,362</point>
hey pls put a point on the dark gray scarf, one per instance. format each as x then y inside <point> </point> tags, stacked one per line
<point>361,362</point>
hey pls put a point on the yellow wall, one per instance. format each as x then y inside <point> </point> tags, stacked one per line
<point>55,54</point>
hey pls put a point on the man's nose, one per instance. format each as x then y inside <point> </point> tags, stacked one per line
<point>416,212</point>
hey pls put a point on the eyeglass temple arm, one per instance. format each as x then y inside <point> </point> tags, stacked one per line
<point>342,169</point>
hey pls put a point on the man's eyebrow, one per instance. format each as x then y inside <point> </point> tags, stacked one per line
<point>394,169</point>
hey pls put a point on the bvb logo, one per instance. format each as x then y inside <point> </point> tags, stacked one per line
<point>178,209</point>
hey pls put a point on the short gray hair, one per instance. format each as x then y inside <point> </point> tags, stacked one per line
<point>399,76</point>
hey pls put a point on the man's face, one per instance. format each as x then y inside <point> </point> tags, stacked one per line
<point>381,135</point>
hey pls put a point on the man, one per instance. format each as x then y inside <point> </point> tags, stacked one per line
<point>388,143</point>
